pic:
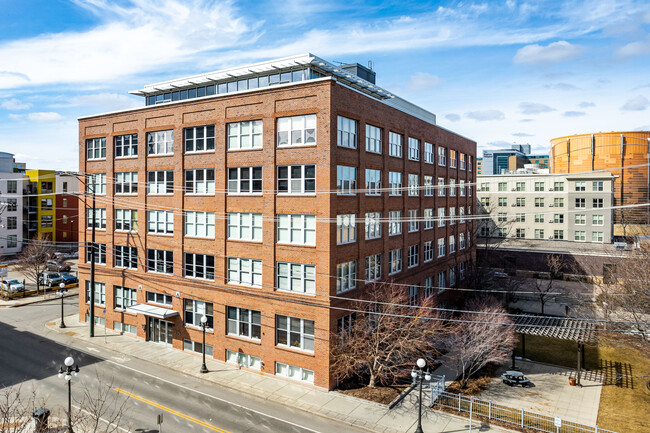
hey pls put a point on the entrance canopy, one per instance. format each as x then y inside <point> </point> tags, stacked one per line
<point>150,310</point>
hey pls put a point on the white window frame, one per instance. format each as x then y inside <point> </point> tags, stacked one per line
<point>296,185</point>
<point>126,257</point>
<point>199,264</point>
<point>346,180</point>
<point>427,252</point>
<point>245,226</point>
<point>394,144</point>
<point>373,267</point>
<point>373,225</point>
<point>199,187</point>
<point>191,137</point>
<point>346,132</point>
<point>162,259</point>
<point>413,256</point>
<point>245,174</point>
<point>302,129</point>
<point>127,145</point>
<point>162,220</point>
<point>126,182</point>
<point>452,244</point>
<point>95,148</point>
<point>441,217</point>
<point>247,323</point>
<point>428,219</point>
<point>241,139</point>
<point>373,181</point>
<point>441,247</point>
<point>164,186</point>
<point>429,157</point>
<point>346,276</point>
<point>199,224</point>
<point>160,142</point>
<point>306,340</point>
<point>296,226</point>
<point>395,183</point>
<point>414,222</point>
<point>243,271</point>
<point>373,139</point>
<point>414,149</point>
<point>442,156</point>
<point>394,261</point>
<point>428,186</point>
<point>99,220</point>
<point>292,372</point>
<point>394,222</point>
<point>124,297</point>
<point>441,187</point>
<point>100,293</point>
<point>126,220</point>
<point>346,229</point>
<point>296,277</point>
<point>414,185</point>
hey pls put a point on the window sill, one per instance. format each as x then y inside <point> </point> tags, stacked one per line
<point>295,245</point>
<point>295,292</point>
<point>199,152</point>
<point>95,159</point>
<point>293,146</point>
<point>206,194</point>
<point>249,241</point>
<point>162,155</point>
<point>198,237</point>
<point>127,157</point>
<point>166,194</point>
<point>394,273</point>
<point>245,194</point>
<point>246,339</point>
<point>126,193</point>
<point>199,328</point>
<point>233,283</point>
<point>295,350</point>
<point>297,194</point>
<point>161,234</point>
<point>257,149</point>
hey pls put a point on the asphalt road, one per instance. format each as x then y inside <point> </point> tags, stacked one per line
<point>30,356</point>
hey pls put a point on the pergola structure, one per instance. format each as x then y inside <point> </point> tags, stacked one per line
<point>562,328</point>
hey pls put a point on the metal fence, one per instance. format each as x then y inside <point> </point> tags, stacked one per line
<point>519,417</point>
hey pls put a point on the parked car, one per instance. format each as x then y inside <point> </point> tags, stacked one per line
<point>57,266</point>
<point>68,278</point>
<point>514,378</point>
<point>51,279</point>
<point>12,285</point>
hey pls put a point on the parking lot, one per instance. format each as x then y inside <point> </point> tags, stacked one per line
<point>13,273</point>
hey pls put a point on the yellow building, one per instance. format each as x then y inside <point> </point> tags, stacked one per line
<point>41,202</point>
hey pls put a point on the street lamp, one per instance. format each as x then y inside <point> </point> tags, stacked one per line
<point>420,375</point>
<point>66,373</point>
<point>62,292</point>
<point>204,323</point>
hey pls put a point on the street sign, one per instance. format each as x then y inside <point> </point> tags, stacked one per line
<point>4,271</point>
<point>160,419</point>
<point>558,421</point>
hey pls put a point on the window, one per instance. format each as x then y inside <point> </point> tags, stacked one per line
<point>485,187</point>
<point>395,144</point>
<point>428,219</point>
<point>428,153</point>
<point>294,332</point>
<point>126,257</point>
<point>503,217</point>
<point>520,233</point>
<point>126,145</point>
<point>346,229</point>
<point>520,217</point>
<point>539,186</point>
<point>414,222</point>
<point>452,244</point>
<point>100,218</point>
<point>194,310</point>
<point>485,201</point>
<point>296,277</point>
<point>125,327</point>
<point>428,186</point>
<point>597,220</point>
<point>442,156</point>
<point>453,158</point>
<point>414,149</point>
<point>395,183</point>
<point>100,293</point>
<point>581,186</point>
<point>159,298</point>
<point>46,204</point>
<point>461,241</point>
<point>12,241</point>
<point>344,324</point>
<point>394,261</point>
<point>160,182</point>
<point>428,251</point>
<point>558,202</point>
<point>373,139</point>
<point>294,372</point>
<point>414,256</point>
<point>200,224</point>
<point>12,205</point>
<point>558,186</point>
<point>469,162</point>
<point>195,346</point>
<point>502,232</point>
<point>580,203</point>
<point>243,359</point>
<point>96,148</point>
<point>199,138</point>
<point>199,266</point>
<point>126,220</point>
<point>245,135</point>
<point>126,182</point>
<point>160,142</point>
<point>124,297</point>
<point>347,132</point>
<point>394,222</point>
<point>296,179</point>
<point>100,253</point>
<point>503,186</point>
<point>539,233</point>
<point>243,226</point>
<point>461,188</point>
<point>596,236</point>
<point>580,219</point>
<point>297,229</point>
<point>346,180</point>
<point>373,267</point>
<point>597,202</point>
<point>462,161</point>
<point>245,323</point>
<point>246,272</point>
<point>462,214</point>
<point>598,186</point>
<point>441,187</point>
<point>520,186</point>
<point>441,282</point>
<point>558,234</point>
<point>373,225</point>
<point>441,247</point>
<point>95,182</point>
<point>503,201</point>
<point>346,276</point>
<point>539,202</point>
<point>520,202</point>
<point>413,295</point>
<point>580,235</point>
<point>452,276</point>
<point>373,182</point>
<point>160,222</point>
<point>12,223</point>
<point>452,187</point>
<point>161,261</point>
<point>244,180</point>
<point>297,130</point>
<point>452,216</point>
<point>441,217</point>
<point>414,185</point>
<point>199,181</point>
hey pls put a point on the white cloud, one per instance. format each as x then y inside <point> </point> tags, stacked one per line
<point>104,101</point>
<point>561,86</point>
<point>423,81</point>
<point>534,108</point>
<point>500,144</point>
<point>554,52</point>
<point>638,103</point>
<point>633,49</point>
<point>484,115</point>
<point>452,117</point>
<point>523,134</point>
<point>586,104</point>
<point>45,117</point>
<point>15,104</point>
<point>574,113</point>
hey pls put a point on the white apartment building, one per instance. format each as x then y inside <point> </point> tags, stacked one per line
<point>11,206</point>
<point>546,206</point>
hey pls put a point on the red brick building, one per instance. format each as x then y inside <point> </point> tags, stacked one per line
<point>258,195</point>
<point>66,213</point>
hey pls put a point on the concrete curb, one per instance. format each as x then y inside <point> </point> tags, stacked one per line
<point>42,299</point>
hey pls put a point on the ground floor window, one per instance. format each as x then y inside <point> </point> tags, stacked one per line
<point>243,359</point>
<point>293,372</point>
<point>125,328</point>
<point>193,346</point>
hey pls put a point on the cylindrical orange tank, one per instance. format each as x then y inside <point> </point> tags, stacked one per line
<point>624,154</point>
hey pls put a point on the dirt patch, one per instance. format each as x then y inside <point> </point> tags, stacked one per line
<point>378,394</point>
<point>477,383</point>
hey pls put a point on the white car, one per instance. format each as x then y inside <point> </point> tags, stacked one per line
<point>12,285</point>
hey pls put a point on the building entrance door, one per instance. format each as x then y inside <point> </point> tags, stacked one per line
<point>160,331</point>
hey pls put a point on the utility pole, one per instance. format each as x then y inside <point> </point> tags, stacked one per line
<point>92,261</point>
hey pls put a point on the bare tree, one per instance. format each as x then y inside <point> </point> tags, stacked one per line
<point>492,228</point>
<point>16,408</point>
<point>383,343</point>
<point>544,288</point>
<point>480,339</point>
<point>102,410</point>
<point>32,260</point>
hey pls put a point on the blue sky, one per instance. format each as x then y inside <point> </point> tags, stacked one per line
<point>497,72</point>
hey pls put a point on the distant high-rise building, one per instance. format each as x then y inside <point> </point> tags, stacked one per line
<point>509,160</point>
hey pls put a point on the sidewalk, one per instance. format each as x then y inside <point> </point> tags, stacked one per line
<point>361,413</point>
<point>35,299</point>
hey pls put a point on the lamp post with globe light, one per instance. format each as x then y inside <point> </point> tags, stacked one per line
<point>66,373</point>
<point>204,324</point>
<point>62,292</point>
<point>420,375</point>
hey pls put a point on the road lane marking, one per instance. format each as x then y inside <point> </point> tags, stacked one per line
<point>172,411</point>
